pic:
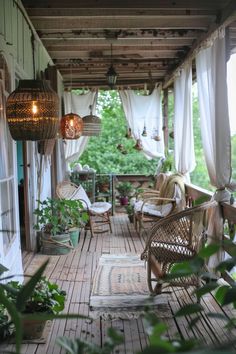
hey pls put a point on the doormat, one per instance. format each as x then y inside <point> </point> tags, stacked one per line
<point>120,289</point>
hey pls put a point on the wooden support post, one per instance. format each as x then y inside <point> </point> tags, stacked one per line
<point>165,118</point>
<point>26,198</point>
<point>51,74</point>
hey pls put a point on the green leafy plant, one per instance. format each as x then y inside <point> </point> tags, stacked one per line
<point>125,189</point>
<point>46,296</point>
<point>129,209</point>
<point>57,216</point>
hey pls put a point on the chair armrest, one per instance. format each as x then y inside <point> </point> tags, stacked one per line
<point>147,191</point>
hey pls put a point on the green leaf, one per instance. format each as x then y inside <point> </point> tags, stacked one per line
<point>206,289</point>
<point>189,310</point>
<point>230,296</point>
<point>209,250</point>
<point>2,269</point>
<point>228,264</point>
<point>28,288</point>
<point>15,317</point>
<point>220,293</point>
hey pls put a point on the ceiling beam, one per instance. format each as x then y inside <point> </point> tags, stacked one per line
<point>117,22</point>
<point>189,4</point>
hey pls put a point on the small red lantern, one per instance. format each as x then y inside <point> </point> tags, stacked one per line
<point>71,126</point>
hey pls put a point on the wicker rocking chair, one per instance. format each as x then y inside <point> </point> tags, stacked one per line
<point>99,212</point>
<point>174,239</point>
<point>152,206</point>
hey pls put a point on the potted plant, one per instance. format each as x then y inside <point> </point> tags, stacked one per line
<point>46,298</point>
<point>103,183</point>
<point>55,219</point>
<point>130,211</point>
<point>125,189</point>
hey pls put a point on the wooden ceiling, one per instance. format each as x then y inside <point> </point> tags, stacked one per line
<point>149,38</point>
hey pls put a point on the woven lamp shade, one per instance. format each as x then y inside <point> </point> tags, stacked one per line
<point>71,126</point>
<point>92,125</point>
<point>32,111</point>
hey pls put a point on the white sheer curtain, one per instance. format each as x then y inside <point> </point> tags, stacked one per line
<point>215,129</point>
<point>183,125</point>
<point>145,111</point>
<point>231,83</point>
<point>78,104</point>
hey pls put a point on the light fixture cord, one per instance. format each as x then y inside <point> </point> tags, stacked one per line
<point>111,55</point>
<point>33,54</point>
<point>71,86</point>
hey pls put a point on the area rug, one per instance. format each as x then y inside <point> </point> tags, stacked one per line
<point>120,289</point>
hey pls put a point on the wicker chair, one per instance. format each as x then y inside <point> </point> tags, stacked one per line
<point>152,206</point>
<point>174,239</point>
<point>99,212</point>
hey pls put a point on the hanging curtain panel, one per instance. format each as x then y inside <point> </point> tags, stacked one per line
<point>215,130</point>
<point>78,104</point>
<point>145,113</point>
<point>183,124</point>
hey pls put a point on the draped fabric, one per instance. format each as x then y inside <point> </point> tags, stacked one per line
<point>215,129</point>
<point>231,84</point>
<point>145,112</point>
<point>78,104</point>
<point>183,125</point>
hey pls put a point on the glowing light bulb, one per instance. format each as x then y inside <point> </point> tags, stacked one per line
<point>71,122</point>
<point>34,108</point>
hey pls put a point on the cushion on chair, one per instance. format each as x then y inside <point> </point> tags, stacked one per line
<point>99,207</point>
<point>152,209</point>
<point>80,193</point>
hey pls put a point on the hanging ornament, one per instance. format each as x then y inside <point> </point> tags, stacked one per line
<point>144,133</point>
<point>138,146</point>
<point>156,135</point>
<point>71,126</point>
<point>128,134</point>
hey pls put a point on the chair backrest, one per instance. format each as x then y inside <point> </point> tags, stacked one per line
<point>173,187</point>
<point>183,228</point>
<point>159,180</point>
<point>69,190</point>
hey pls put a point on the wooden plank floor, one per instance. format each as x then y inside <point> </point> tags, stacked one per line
<point>74,273</point>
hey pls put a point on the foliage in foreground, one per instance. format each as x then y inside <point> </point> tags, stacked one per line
<point>154,327</point>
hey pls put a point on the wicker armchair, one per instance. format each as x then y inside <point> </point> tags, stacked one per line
<point>152,206</point>
<point>99,212</point>
<point>174,239</point>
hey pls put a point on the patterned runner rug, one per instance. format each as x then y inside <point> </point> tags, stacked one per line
<point>120,289</point>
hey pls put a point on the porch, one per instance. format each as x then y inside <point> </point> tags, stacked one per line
<point>74,273</point>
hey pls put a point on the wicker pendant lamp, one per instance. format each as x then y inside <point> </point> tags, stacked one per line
<point>71,126</point>
<point>92,124</point>
<point>32,111</point>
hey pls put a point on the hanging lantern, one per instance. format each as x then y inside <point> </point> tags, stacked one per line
<point>32,111</point>
<point>111,74</point>
<point>92,124</point>
<point>111,77</point>
<point>71,126</point>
